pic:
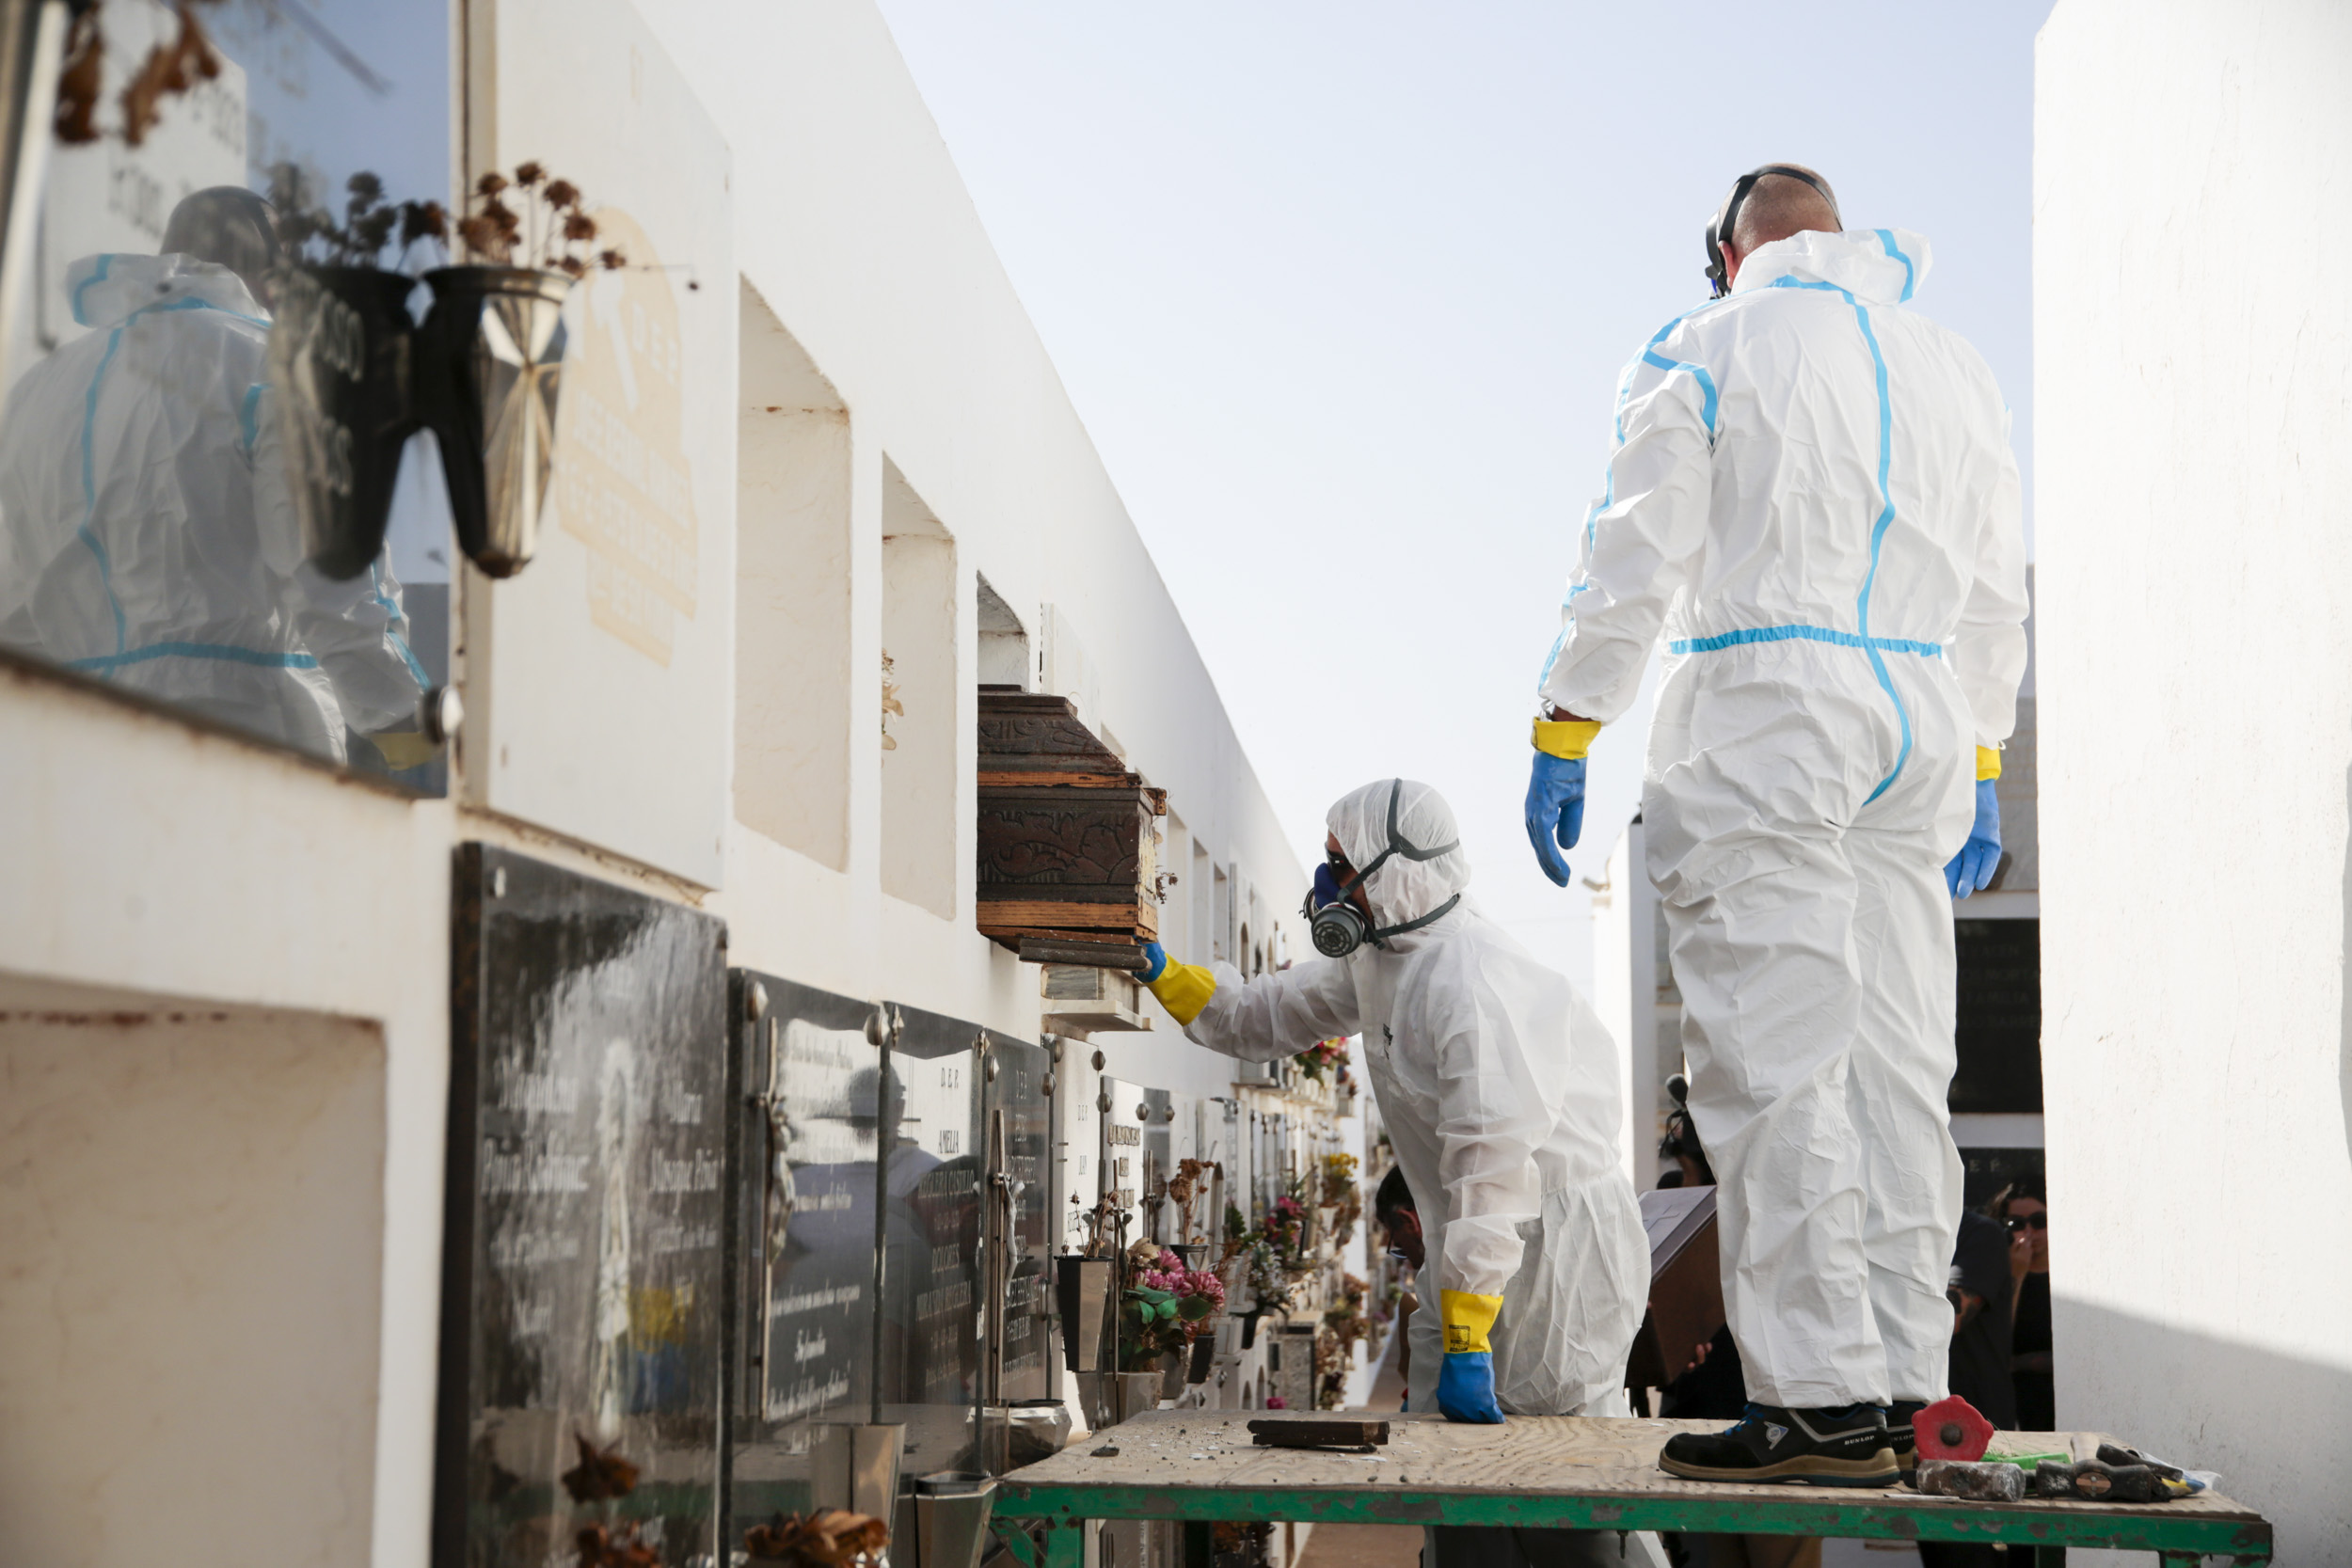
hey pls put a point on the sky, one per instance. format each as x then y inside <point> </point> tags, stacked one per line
<point>1342,292</point>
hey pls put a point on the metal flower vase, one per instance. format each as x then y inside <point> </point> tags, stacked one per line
<point>339,379</point>
<point>491,364</point>
<point>951,1510</point>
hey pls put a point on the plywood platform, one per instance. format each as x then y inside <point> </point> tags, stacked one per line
<point>1568,1472</point>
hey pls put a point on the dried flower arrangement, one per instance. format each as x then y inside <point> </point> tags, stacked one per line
<point>599,1476</point>
<point>616,1546</point>
<point>1184,1189</point>
<point>370,222</point>
<point>552,230</point>
<point>170,68</point>
<point>827,1538</point>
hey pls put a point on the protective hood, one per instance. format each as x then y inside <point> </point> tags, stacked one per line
<point>107,289</point>
<point>1878,266</point>
<point>1400,890</point>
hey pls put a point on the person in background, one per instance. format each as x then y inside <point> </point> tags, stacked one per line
<point>2023,1208</point>
<point>1982,1297</point>
<point>1392,1206</point>
<point>1681,1143</point>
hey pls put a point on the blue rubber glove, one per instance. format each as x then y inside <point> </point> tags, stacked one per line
<point>1981,855</point>
<point>1555,810</point>
<point>1466,1387</point>
<point>1156,960</point>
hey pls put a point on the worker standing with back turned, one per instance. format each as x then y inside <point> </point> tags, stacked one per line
<point>1812,495</point>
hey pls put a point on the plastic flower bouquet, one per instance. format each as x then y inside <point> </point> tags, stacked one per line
<point>1322,1057</point>
<point>1166,1308</point>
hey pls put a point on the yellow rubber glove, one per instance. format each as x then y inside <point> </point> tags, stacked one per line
<point>1988,763</point>
<point>1467,1319</point>
<point>1565,738</point>
<point>1183,989</point>
<point>404,749</point>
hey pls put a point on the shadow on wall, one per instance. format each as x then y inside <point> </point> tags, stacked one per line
<point>2272,1424</point>
<point>2343,1035</point>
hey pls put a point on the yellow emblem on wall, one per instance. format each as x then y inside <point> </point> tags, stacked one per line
<point>624,487</point>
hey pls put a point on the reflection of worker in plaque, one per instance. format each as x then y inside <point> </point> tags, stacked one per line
<point>613,1362</point>
<point>146,532</point>
<point>821,1225</point>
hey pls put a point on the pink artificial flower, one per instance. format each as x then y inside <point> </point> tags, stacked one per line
<point>1276,1401</point>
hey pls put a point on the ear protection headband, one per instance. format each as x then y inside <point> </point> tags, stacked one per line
<point>1728,216</point>
<point>1339,928</point>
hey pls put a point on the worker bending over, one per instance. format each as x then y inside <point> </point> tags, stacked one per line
<point>1499,1089</point>
<point>1812,495</point>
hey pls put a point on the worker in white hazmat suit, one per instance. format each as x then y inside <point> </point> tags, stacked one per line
<point>147,536</point>
<point>1499,1089</point>
<point>1812,495</point>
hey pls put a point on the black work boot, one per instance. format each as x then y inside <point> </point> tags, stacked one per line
<point>1902,1438</point>
<point>1846,1447</point>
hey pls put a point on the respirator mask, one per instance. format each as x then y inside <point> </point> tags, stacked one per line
<point>1728,216</point>
<point>1334,923</point>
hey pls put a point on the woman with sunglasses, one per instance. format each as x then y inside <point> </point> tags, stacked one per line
<point>2023,1209</point>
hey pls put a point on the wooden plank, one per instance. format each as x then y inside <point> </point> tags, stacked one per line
<point>1568,1472</point>
<point>1025,778</point>
<point>1127,956</point>
<point>1018,918</point>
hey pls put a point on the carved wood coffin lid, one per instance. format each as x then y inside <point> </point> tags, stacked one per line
<point>1034,737</point>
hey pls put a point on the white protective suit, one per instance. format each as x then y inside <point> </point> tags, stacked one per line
<point>146,533</point>
<point>1499,1088</point>
<point>1813,495</point>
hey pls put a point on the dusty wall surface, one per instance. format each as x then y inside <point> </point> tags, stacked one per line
<point>2193,201</point>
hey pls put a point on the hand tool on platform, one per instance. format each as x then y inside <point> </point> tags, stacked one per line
<point>2094,1480</point>
<point>1340,1436</point>
<point>1951,1428</point>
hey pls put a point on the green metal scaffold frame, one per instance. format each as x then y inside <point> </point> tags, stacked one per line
<point>1198,1467</point>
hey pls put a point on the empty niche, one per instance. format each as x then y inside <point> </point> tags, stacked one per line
<point>194,1223</point>
<point>1004,641</point>
<point>919,701</point>
<point>794,690</point>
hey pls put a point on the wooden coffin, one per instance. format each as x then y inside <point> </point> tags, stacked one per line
<point>1068,846</point>
<point>1686,1284</point>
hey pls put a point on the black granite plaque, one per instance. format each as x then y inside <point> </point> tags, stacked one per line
<point>582,1326</point>
<point>808,1095</point>
<point>1998,1032</point>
